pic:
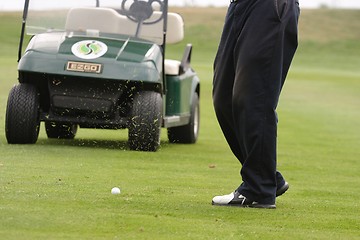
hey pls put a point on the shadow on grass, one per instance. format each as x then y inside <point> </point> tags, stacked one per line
<point>87,143</point>
<point>91,143</point>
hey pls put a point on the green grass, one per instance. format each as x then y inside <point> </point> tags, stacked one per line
<point>60,189</point>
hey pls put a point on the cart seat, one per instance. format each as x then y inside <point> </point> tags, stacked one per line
<point>107,20</point>
<point>172,67</point>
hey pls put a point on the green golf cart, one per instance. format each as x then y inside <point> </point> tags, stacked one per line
<point>101,64</point>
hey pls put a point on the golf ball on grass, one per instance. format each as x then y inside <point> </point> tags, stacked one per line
<point>115,190</point>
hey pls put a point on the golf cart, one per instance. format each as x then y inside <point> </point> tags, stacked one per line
<point>101,64</point>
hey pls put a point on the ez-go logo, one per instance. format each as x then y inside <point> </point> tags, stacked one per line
<point>83,67</point>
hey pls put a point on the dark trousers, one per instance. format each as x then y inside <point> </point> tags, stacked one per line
<point>258,43</point>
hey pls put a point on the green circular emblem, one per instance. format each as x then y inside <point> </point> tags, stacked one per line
<point>89,49</point>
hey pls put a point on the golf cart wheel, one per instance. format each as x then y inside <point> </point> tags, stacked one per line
<point>60,130</point>
<point>145,122</point>
<point>22,121</point>
<point>190,132</point>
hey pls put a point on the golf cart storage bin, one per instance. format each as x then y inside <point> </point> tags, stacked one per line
<point>84,97</point>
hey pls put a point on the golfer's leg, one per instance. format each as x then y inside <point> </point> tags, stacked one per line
<point>224,74</point>
<point>257,86</point>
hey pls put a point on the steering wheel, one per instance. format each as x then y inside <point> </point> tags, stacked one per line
<point>141,10</point>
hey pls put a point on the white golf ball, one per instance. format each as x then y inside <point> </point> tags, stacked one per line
<point>115,190</point>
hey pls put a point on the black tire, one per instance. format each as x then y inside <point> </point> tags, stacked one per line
<point>188,133</point>
<point>145,121</point>
<point>22,121</point>
<point>60,130</point>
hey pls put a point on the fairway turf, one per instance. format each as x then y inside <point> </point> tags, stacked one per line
<point>58,189</point>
